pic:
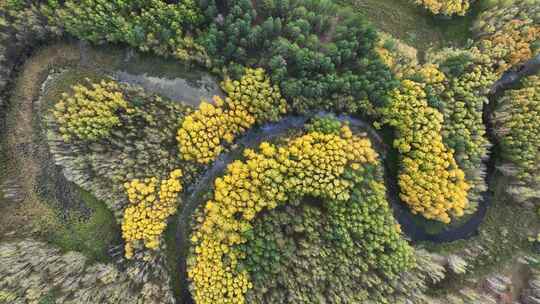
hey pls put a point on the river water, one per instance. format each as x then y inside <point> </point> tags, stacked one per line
<point>167,77</point>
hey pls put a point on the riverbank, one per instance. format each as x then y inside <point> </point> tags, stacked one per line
<point>36,199</point>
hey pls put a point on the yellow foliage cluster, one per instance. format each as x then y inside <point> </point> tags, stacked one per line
<point>145,219</point>
<point>511,44</point>
<point>252,99</point>
<point>386,56</point>
<point>202,132</point>
<point>430,181</point>
<point>431,74</point>
<point>509,32</point>
<point>7,296</point>
<point>445,7</point>
<point>312,164</point>
<point>255,93</point>
<point>90,112</point>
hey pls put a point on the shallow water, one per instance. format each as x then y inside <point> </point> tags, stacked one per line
<point>189,91</point>
<point>514,75</point>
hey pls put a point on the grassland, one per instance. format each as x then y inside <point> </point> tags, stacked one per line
<point>414,25</point>
<point>92,235</point>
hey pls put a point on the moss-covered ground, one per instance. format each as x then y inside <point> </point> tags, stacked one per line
<point>92,235</point>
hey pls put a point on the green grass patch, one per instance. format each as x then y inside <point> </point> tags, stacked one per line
<point>91,235</point>
<point>47,299</point>
<point>415,25</point>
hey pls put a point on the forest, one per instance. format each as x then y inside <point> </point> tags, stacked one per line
<point>270,151</point>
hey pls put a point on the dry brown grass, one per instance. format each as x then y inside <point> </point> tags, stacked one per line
<point>32,215</point>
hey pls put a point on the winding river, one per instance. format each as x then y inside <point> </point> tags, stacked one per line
<point>194,194</point>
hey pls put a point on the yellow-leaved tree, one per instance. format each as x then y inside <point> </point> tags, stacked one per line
<point>252,99</point>
<point>91,111</point>
<point>445,7</point>
<point>509,33</point>
<point>151,203</point>
<point>430,181</point>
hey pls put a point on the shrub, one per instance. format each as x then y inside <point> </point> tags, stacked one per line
<point>324,124</point>
<point>6,296</point>
<point>107,282</point>
<point>517,124</point>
